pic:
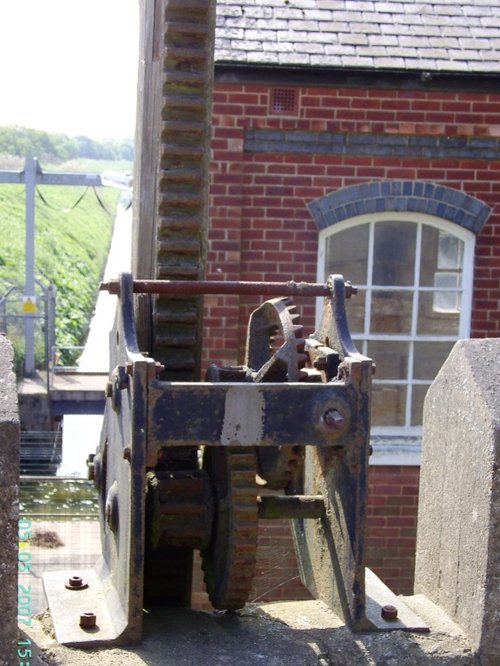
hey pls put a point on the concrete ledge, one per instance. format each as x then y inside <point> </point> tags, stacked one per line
<point>9,505</point>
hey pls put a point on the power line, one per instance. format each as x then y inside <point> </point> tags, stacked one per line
<point>62,210</point>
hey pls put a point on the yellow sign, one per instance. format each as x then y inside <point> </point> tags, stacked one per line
<point>29,304</point>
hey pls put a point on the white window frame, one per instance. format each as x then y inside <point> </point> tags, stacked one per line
<point>400,445</point>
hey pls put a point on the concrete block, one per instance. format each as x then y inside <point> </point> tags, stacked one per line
<point>458,538</point>
<point>9,505</point>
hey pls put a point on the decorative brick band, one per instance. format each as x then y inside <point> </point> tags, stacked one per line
<point>393,145</point>
<point>400,196</point>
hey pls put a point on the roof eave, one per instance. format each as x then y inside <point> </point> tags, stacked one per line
<point>228,71</point>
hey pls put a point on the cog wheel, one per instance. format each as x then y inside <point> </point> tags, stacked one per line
<point>229,560</point>
<point>275,353</point>
<point>275,347</point>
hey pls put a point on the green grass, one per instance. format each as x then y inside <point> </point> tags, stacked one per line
<point>71,247</point>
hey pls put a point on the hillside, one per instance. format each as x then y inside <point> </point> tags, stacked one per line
<point>73,227</point>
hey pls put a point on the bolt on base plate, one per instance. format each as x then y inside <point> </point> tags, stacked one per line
<point>98,599</point>
<point>378,597</point>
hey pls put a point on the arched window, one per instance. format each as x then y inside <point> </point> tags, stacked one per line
<point>414,273</point>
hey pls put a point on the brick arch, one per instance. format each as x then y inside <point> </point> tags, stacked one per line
<point>414,196</point>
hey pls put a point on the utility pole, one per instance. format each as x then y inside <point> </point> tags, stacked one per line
<point>31,167</point>
<point>31,176</point>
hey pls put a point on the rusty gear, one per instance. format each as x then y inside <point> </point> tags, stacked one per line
<point>229,561</point>
<point>275,353</point>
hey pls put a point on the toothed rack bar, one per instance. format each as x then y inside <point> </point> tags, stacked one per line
<point>290,288</point>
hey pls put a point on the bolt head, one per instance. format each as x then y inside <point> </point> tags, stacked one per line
<point>76,583</point>
<point>389,612</point>
<point>334,419</point>
<point>88,620</point>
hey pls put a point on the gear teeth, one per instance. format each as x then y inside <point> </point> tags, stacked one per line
<point>302,360</point>
<point>229,567</point>
<point>310,375</point>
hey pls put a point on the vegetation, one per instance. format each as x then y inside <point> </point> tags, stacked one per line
<point>72,237</point>
<point>52,147</point>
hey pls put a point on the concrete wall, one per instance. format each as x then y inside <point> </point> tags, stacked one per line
<point>458,540</point>
<point>9,505</point>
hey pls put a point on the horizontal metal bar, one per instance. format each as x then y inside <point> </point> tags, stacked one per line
<point>11,176</point>
<point>68,178</point>
<point>290,506</point>
<point>246,414</point>
<point>238,288</point>
<point>34,477</point>
<point>30,514</point>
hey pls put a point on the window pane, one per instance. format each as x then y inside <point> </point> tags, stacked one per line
<point>432,321</point>
<point>450,249</point>
<point>417,404</point>
<point>447,301</point>
<point>355,310</point>
<point>429,357</point>
<point>347,254</point>
<point>394,253</point>
<point>441,251</point>
<point>388,405</point>
<point>391,359</point>
<point>391,312</point>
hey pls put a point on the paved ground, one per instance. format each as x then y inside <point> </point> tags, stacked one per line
<point>301,633</point>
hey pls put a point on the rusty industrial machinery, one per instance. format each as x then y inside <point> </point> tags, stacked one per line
<point>181,463</point>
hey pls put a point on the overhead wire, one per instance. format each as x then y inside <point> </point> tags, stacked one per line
<point>77,202</point>
<point>61,210</point>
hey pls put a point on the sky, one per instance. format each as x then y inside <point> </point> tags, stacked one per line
<point>69,66</point>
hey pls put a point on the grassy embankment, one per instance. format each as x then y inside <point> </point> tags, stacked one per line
<point>71,246</point>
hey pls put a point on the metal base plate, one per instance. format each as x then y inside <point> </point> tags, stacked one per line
<point>67,605</point>
<point>379,595</point>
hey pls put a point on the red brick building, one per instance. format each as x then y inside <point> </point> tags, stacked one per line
<point>361,138</point>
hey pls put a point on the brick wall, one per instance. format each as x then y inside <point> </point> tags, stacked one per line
<point>266,168</point>
<point>392,524</point>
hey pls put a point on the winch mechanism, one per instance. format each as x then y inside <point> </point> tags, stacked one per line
<point>182,463</point>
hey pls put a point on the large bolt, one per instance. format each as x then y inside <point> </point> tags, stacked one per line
<point>334,419</point>
<point>111,513</point>
<point>76,583</point>
<point>389,612</point>
<point>88,620</point>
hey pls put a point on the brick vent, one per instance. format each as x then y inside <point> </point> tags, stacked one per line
<point>283,102</point>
